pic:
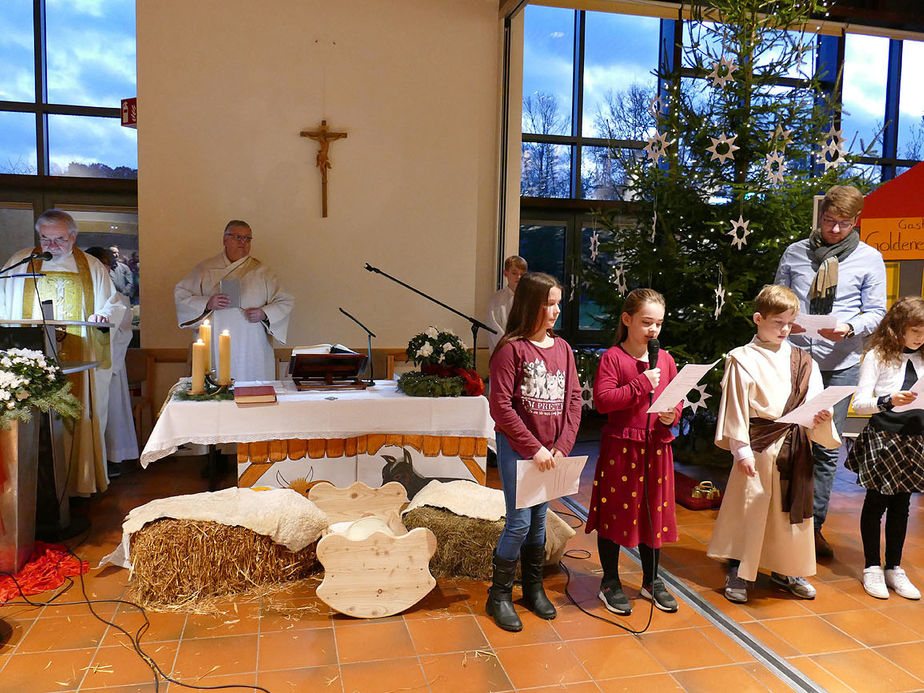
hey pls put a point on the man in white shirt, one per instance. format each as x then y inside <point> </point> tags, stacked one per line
<point>500,303</point>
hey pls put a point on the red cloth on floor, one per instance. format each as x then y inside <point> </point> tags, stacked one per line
<point>47,569</point>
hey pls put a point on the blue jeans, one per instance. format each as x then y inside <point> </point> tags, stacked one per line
<point>826,460</point>
<point>523,526</point>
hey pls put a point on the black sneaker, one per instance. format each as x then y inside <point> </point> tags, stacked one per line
<point>658,593</point>
<point>614,599</point>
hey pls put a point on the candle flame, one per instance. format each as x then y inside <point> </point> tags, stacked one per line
<point>227,332</point>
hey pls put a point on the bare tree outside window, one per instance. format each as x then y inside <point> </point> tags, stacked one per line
<point>545,166</point>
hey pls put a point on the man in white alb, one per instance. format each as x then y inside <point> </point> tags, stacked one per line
<point>262,314</point>
<point>80,289</point>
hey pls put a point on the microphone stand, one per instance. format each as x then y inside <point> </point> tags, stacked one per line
<point>28,258</point>
<point>474,322</point>
<point>369,336</point>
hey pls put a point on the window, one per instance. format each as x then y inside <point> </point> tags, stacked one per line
<point>866,60</point>
<point>911,102</point>
<point>66,121</point>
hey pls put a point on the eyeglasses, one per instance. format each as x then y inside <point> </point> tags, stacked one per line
<point>842,225</point>
<point>239,238</point>
<point>54,241</point>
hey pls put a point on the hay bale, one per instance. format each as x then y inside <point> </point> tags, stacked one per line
<point>465,545</point>
<point>177,562</point>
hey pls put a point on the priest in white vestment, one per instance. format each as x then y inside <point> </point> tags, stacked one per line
<point>80,289</point>
<point>263,313</point>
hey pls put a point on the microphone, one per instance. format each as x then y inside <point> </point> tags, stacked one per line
<point>40,256</point>
<point>653,348</point>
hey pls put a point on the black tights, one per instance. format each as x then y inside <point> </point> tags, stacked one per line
<point>895,506</point>
<point>609,561</point>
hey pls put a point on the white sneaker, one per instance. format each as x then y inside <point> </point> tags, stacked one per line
<point>900,584</point>
<point>874,582</point>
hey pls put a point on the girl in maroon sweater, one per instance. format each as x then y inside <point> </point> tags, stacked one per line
<point>536,405</point>
<point>625,381</point>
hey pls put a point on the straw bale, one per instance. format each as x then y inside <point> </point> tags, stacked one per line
<point>179,562</point>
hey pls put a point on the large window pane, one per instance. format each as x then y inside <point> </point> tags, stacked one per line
<point>542,245</point>
<point>17,52</point>
<point>866,64</point>
<point>90,51</point>
<point>591,237</point>
<point>548,66</point>
<point>17,143</point>
<point>545,170</point>
<point>620,56</point>
<point>603,172</point>
<point>92,147</point>
<point>911,102</point>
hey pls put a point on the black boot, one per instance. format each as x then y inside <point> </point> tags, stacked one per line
<point>532,560</point>
<point>500,602</point>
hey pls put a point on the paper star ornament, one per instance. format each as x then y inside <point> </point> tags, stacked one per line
<point>594,245</point>
<point>720,77</point>
<point>619,280</point>
<point>657,143</point>
<point>775,167</point>
<point>729,143</point>
<point>719,301</point>
<point>781,136</point>
<point>832,148</point>
<point>654,225</point>
<point>701,402</point>
<point>657,106</point>
<point>573,287</point>
<point>740,240</point>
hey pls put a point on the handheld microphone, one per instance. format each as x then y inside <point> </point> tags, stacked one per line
<point>653,348</point>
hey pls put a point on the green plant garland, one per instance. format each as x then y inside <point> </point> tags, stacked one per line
<point>416,384</point>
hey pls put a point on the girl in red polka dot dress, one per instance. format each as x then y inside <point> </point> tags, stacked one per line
<point>618,511</point>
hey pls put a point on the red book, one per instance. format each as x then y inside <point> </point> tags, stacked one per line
<point>254,394</point>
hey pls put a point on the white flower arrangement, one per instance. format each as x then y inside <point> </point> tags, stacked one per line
<point>28,379</point>
<point>440,348</point>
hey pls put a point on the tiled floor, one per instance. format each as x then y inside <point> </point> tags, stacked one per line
<point>843,640</point>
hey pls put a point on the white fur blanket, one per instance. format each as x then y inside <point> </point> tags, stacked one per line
<point>284,515</point>
<point>464,498</point>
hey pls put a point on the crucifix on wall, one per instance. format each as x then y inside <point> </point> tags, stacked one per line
<point>324,136</point>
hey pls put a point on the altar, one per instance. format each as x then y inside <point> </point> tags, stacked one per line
<point>374,435</point>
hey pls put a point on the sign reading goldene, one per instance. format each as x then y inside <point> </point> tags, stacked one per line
<point>897,238</point>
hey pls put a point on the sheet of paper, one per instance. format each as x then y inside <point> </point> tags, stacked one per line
<point>812,323</point>
<point>677,389</point>
<point>804,415</point>
<point>534,486</point>
<point>918,387</point>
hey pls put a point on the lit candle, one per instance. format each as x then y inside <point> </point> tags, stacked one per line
<point>205,334</point>
<point>224,358</point>
<point>198,368</point>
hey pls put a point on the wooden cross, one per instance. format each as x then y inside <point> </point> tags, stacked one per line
<point>324,137</point>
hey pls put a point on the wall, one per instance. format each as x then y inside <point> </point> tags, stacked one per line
<point>225,87</point>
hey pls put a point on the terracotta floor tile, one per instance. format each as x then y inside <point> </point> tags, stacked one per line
<point>734,611</point>
<point>811,635</point>
<point>908,613</point>
<point>872,628</point>
<point>215,679</point>
<point>384,676</point>
<point>132,688</point>
<point>63,633</point>
<point>163,627</point>
<point>326,679</point>
<point>770,680</point>
<point>573,624</point>
<point>449,634</point>
<point>909,657</point>
<point>725,678</point>
<point>120,666</point>
<point>684,649</point>
<point>372,641</point>
<point>46,671</point>
<point>868,671</point>
<point>307,647</point>
<point>443,600</point>
<point>107,583</point>
<point>607,658</point>
<point>830,598</point>
<point>770,639</point>
<point>465,672</point>
<point>726,644</point>
<point>12,631</point>
<point>547,664</point>
<point>764,603</point>
<point>216,656</point>
<point>640,684</point>
<point>579,687</point>
<point>535,630</point>
<point>823,678</point>
<point>306,612</point>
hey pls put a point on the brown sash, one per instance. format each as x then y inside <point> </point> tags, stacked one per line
<point>794,460</point>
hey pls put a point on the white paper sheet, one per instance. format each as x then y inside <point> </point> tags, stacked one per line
<point>535,486</point>
<point>918,403</point>
<point>812,323</point>
<point>677,389</point>
<point>804,415</point>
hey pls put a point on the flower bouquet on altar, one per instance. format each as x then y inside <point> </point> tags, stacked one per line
<point>29,379</point>
<point>445,366</point>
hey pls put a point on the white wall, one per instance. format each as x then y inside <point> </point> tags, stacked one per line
<point>225,87</point>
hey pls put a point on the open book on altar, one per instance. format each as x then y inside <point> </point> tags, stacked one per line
<point>331,365</point>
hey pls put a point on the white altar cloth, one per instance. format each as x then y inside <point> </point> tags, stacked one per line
<point>316,414</point>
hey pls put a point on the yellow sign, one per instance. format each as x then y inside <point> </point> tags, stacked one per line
<point>897,238</point>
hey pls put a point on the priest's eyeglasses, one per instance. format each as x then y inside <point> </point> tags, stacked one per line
<point>842,225</point>
<point>239,238</point>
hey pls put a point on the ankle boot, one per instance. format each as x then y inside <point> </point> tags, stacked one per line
<point>500,602</point>
<point>532,560</point>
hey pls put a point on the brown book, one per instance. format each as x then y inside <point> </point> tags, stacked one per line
<point>254,394</point>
